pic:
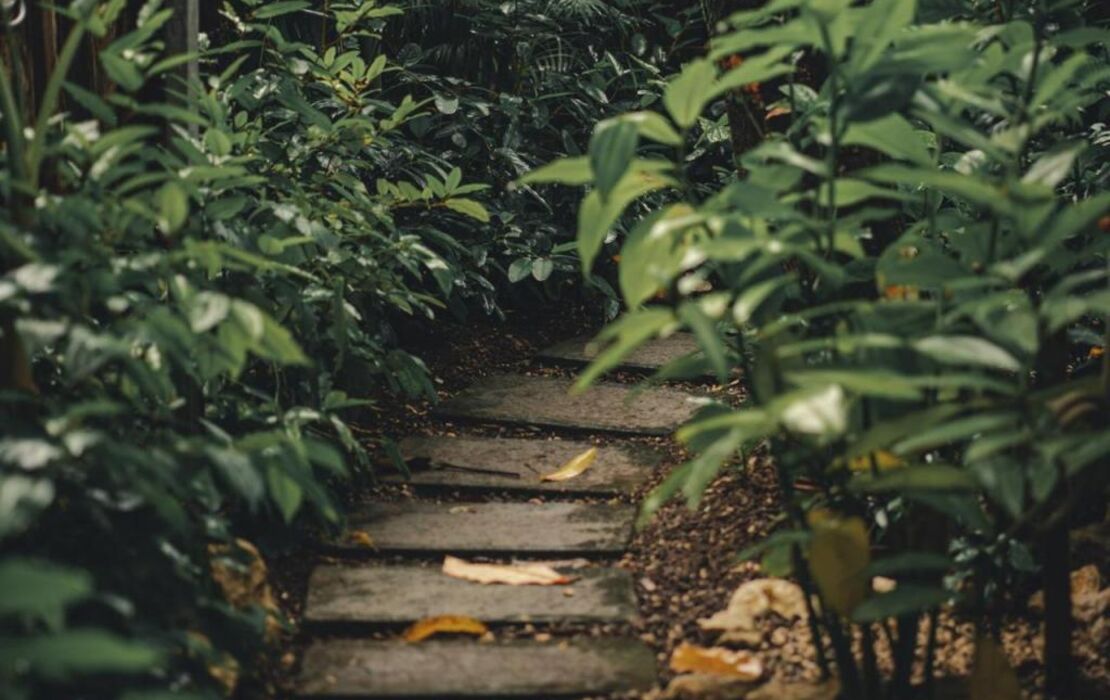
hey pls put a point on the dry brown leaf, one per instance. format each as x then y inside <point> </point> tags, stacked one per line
<point>241,574</point>
<point>361,538</point>
<point>225,673</point>
<point>508,574</point>
<point>703,686</point>
<point>751,601</point>
<point>689,658</point>
<point>991,677</point>
<point>444,624</point>
<point>574,467</point>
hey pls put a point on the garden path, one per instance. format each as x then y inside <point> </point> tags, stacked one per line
<point>355,609</point>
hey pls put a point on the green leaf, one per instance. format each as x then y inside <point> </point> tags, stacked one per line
<point>686,95</point>
<point>654,126</point>
<point>892,135</point>
<point>966,350</point>
<point>40,590</point>
<point>122,71</point>
<point>277,9</point>
<point>173,207</point>
<point>925,477</point>
<point>76,652</point>
<point>519,269</point>
<point>286,493</point>
<point>909,562</point>
<point>612,149</point>
<point>565,171</point>
<point>620,338</point>
<point>542,269</point>
<point>596,216</point>
<point>907,598</point>
<point>468,207</point>
<point>709,339</point>
<point>882,383</point>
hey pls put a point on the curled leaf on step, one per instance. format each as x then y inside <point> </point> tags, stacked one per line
<point>574,467</point>
<point>444,624</point>
<point>839,554</point>
<point>362,538</point>
<point>991,677</point>
<point>718,661</point>
<point>752,601</point>
<point>508,574</point>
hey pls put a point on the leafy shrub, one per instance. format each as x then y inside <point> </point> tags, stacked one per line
<point>910,275</point>
<point>190,286</point>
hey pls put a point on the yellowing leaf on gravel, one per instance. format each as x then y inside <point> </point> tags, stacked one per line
<point>718,661</point>
<point>573,468</point>
<point>839,552</point>
<point>444,624</point>
<point>991,677</point>
<point>509,574</point>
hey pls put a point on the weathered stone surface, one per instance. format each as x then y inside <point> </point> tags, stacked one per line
<point>506,464</point>
<point>471,669</point>
<point>391,595</point>
<point>520,399</point>
<point>531,529</point>
<point>647,358</point>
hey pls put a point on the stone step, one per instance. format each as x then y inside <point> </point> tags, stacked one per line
<point>472,669</point>
<point>649,357</point>
<point>508,464</point>
<point>525,529</point>
<point>379,595</point>
<point>545,401</point>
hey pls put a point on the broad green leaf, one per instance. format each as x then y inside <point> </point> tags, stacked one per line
<point>924,477</point>
<point>612,149</point>
<point>565,171</point>
<point>519,269</point>
<point>40,589</point>
<point>469,207</point>
<point>542,269</point>
<point>882,383</point>
<point>686,95</point>
<point>286,493</point>
<point>75,652</point>
<point>892,135</point>
<point>654,126</point>
<point>966,350</point>
<point>618,339</point>
<point>819,411</point>
<point>277,9</point>
<point>173,207</point>
<point>596,216</point>
<point>652,256</point>
<point>708,338</point>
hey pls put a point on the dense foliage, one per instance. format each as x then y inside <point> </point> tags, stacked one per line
<point>908,268</point>
<point>206,275</point>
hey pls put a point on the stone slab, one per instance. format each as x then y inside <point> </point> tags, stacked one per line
<point>531,529</point>
<point>379,595</point>
<point>545,401</point>
<point>510,464</point>
<point>649,357</point>
<point>471,669</point>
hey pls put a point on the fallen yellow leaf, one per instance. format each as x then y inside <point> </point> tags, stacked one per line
<point>241,574</point>
<point>991,677</point>
<point>574,467</point>
<point>509,574</point>
<point>444,624</point>
<point>362,538</point>
<point>839,552</point>
<point>743,665</point>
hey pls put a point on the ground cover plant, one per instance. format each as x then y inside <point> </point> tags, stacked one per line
<point>909,269</point>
